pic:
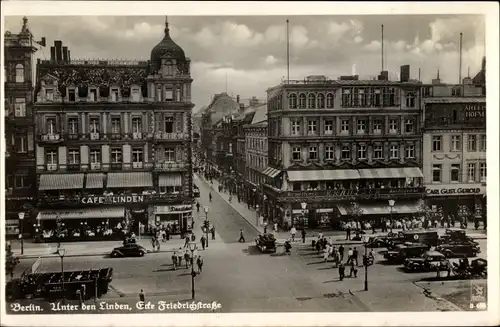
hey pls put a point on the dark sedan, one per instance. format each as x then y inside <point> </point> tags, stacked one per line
<point>129,250</point>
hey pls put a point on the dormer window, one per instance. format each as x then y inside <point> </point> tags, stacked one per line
<point>168,68</point>
<point>93,95</point>
<point>71,95</point>
<point>114,94</point>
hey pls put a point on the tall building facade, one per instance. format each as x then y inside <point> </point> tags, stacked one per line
<point>113,140</point>
<point>336,143</point>
<point>20,177</point>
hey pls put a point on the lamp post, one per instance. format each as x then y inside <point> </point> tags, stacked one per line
<point>365,259</point>
<point>21,237</point>
<point>192,247</point>
<point>61,252</point>
<point>391,204</point>
<point>257,214</point>
<point>206,209</point>
<point>304,206</point>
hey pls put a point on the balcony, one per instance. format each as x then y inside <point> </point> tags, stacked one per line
<point>160,136</point>
<point>351,194</point>
<point>116,166</point>
<point>101,199</point>
<point>138,165</point>
<point>94,136</point>
<point>72,136</point>
<point>73,167</point>
<point>169,166</point>
<point>95,166</point>
<point>51,138</point>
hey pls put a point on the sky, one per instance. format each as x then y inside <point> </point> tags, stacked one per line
<point>249,52</point>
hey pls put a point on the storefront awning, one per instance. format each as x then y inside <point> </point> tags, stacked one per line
<point>384,209</point>
<point>95,181</point>
<point>50,182</point>
<point>322,175</point>
<point>271,172</point>
<point>170,180</point>
<point>88,213</point>
<point>406,172</point>
<point>123,180</point>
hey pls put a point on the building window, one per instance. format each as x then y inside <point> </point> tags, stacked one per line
<point>410,100</point>
<point>345,126</point>
<point>394,151</point>
<point>136,125</point>
<point>377,126</point>
<point>93,95</point>
<point>472,143</point>
<point>329,100</point>
<point>313,153</point>
<point>311,127</point>
<point>114,95</point>
<point>361,152</point>
<point>393,126</point>
<point>346,152</point>
<point>230,147</point>
<point>116,125</point>
<point>169,124</point>
<point>409,126</point>
<point>95,156</point>
<point>51,157</point>
<point>137,157</point>
<point>436,173</point>
<point>471,172</point>
<point>377,97</point>
<point>21,181</point>
<point>71,95</point>
<point>296,155</point>
<point>21,144</point>
<point>456,92</point>
<point>455,173</point>
<point>94,125</point>
<point>346,97</point>
<point>329,153</point>
<point>158,93</point>
<point>328,127</point>
<point>410,151</point>
<point>169,95</point>
<point>454,116</point>
<point>436,143</point>
<point>482,169</point>
<point>295,127</point>
<point>378,152</point>
<point>312,101</point>
<point>321,100</point>
<point>455,143</point>
<point>19,73</point>
<point>51,125</point>
<point>20,107</point>
<point>292,101</point>
<point>302,101</point>
<point>72,125</point>
<point>169,155</point>
<point>116,156</point>
<point>361,126</point>
<point>49,95</point>
<point>482,142</point>
<point>73,156</point>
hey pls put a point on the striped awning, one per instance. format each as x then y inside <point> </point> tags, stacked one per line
<point>94,181</point>
<point>88,213</point>
<point>271,172</point>
<point>384,209</point>
<point>322,175</point>
<point>406,172</point>
<point>60,182</point>
<point>170,180</point>
<point>123,180</point>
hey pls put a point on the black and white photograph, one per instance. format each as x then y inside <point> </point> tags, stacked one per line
<point>162,159</point>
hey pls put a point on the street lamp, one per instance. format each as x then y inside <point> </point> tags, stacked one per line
<point>365,262</point>
<point>206,209</point>
<point>257,213</point>
<point>21,221</point>
<point>192,247</point>
<point>304,206</point>
<point>391,204</point>
<point>61,252</point>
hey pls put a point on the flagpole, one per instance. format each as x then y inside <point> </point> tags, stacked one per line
<point>287,53</point>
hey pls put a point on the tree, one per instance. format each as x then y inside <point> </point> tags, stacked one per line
<point>11,261</point>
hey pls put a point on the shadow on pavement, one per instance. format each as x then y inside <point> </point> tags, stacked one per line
<point>253,250</point>
<point>325,268</point>
<point>279,254</point>
<point>316,262</point>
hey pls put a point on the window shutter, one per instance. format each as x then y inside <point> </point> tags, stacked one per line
<point>178,153</point>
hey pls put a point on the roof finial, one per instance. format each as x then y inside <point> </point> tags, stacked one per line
<point>438,74</point>
<point>167,30</point>
<point>25,24</point>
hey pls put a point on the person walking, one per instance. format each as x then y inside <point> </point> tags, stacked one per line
<point>212,231</point>
<point>355,255</point>
<point>199,263</point>
<point>348,233</point>
<point>242,238</point>
<point>210,196</point>
<point>326,253</point>
<point>202,241</point>
<point>349,255</point>
<point>230,198</point>
<point>174,260</point>
<point>353,271</point>
<point>341,272</point>
<point>293,231</point>
<point>142,296</point>
<point>179,257</point>
<point>186,241</point>
<point>197,206</point>
<point>153,243</point>
<point>187,258</point>
<point>303,232</point>
<point>341,253</point>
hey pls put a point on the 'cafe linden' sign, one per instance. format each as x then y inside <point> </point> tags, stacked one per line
<point>113,199</point>
<point>455,189</point>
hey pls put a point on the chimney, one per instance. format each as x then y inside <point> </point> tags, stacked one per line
<point>436,81</point>
<point>52,54</point>
<point>65,54</point>
<point>58,45</point>
<point>385,75</point>
<point>238,99</point>
<point>405,73</point>
<point>467,81</point>
<point>69,56</point>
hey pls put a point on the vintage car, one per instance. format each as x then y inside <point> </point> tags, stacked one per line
<point>458,250</point>
<point>404,251</point>
<point>384,240</point>
<point>429,261</point>
<point>129,250</point>
<point>456,236</point>
<point>196,191</point>
<point>266,243</point>
<point>478,268</point>
<point>426,237</point>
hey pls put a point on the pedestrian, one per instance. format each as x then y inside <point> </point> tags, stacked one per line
<point>142,296</point>
<point>157,245</point>
<point>265,229</point>
<point>353,271</point>
<point>303,232</point>
<point>202,241</point>
<point>355,255</point>
<point>242,238</point>
<point>348,233</point>
<point>349,255</point>
<point>186,241</point>
<point>187,258</point>
<point>318,245</point>
<point>230,198</point>
<point>326,253</point>
<point>341,252</point>
<point>179,257</point>
<point>174,260</point>
<point>212,230</point>
<point>153,243</point>
<point>199,263</point>
<point>341,271</point>
<point>275,227</point>
<point>210,196</point>
<point>293,231</point>
<point>197,206</point>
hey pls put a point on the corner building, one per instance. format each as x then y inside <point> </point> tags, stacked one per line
<point>333,143</point>
<point>113,141</point>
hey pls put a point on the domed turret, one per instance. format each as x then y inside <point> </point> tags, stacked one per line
<point>166,49</point>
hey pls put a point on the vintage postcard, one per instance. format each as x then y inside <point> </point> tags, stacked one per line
<point>249,163</point>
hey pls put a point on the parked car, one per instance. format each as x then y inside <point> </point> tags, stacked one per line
<point>456,236</point>
<point>458,250</point>
<point>129,250</point>
<point>266,243</point>
<point>384,240</point>
<point>404,251</point>
<point>421,236</point>
<point>429,261</point>
<point>196,191</point>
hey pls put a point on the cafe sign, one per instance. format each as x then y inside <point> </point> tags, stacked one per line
<point>455,190</point>
<point>119,199</point>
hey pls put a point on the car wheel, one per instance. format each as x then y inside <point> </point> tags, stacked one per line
<point>141,254</point>
<point>114,254</point>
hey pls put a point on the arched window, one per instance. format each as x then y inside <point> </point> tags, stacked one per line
<point>168,68</point>
<point>321,100</point>
<point>302,101</point>
<point>19,73</point>
<point>329,100</point>
<point>312,101</point>
<point>292,101</point>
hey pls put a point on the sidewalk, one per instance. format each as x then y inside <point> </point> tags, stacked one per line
<point>250,215</point>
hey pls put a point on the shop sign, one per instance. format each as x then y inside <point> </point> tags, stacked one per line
<point>122,199</point>
<point>455,190</point>
<point>345,194</point>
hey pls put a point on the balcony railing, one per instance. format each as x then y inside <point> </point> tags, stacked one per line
<point>51,137</point>
<point>100,199</point>
<point>171,136</point>
<point>353,194</point>
<point>167,166</point>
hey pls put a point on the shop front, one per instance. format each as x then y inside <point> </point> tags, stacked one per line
<point>179,218</point>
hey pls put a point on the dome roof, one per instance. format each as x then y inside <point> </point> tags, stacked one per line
<point>167,48</point>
